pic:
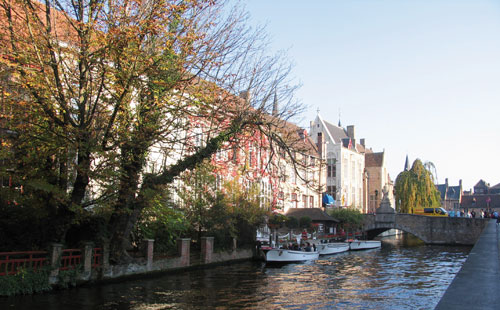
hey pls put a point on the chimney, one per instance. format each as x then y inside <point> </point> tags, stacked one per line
<point>320,144</point>
<point>446,182</point>
<point>275,104</point>
<point>362,142</point>
<point>245,95</point>
<point>350,131</point>
<point>302,133</point>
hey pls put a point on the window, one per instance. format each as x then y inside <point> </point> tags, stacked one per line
<point>311,201</point>
<point>331,168</point>
<point>304,201</point>
<point>331,190</point>
<point>281,195</point>
<point>294,197</point>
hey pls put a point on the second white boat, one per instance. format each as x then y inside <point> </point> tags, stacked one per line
<point>288,256</point>
<point>332,248</point>
<point>364,244</point>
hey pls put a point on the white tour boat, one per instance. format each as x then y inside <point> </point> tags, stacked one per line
<point>363,244</point>
<point>288,256</point>
<point>332,248</point>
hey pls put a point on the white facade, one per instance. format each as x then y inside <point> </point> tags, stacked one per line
<point>345,164</point>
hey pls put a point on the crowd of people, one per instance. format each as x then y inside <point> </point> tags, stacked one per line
<point>488,213</point>
<point>307,247</point>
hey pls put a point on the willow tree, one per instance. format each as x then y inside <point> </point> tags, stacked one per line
<point>415,189</point>
<point>97,86</point>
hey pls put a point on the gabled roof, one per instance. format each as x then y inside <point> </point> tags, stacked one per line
<point>339,136</point>
<point>337,133</point>
<point>374,159</point>
<point>449,192</point>
<point>481,183</point>
<point>315,214</point>
<point>453,192</point>
<point>442,190</point>
<point>495,186</point>
<point>360,148</point>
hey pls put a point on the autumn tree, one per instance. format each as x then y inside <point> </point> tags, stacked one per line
<point>97,86</point>
<point>415,189</point>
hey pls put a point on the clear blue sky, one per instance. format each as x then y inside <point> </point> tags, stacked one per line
<point>415,77</point>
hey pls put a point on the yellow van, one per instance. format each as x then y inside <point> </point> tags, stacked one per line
<point>431,211</point>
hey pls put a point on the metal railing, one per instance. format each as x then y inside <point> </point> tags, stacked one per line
<point>12,262</point>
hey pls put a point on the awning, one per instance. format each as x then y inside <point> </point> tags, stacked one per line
<point>328,200</point>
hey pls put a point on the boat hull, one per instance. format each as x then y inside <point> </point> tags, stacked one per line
<point>332,248</point>
<point>364,244</point>
<point>287,256</point>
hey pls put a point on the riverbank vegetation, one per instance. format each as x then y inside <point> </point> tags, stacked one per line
<point>25,282</point>
<point>349,218</point>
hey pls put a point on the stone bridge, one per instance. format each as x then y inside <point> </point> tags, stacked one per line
<point>430,229</point>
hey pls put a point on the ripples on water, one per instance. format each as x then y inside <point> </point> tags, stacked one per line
<point>398,276</point>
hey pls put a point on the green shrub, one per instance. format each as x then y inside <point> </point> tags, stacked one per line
<point>69,278</point>
<point>26,281</point>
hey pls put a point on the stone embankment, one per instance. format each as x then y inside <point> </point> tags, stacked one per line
<point>185,259</point>
<point>477,285</point>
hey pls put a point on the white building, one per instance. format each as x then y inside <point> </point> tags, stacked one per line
<point>345,163</point>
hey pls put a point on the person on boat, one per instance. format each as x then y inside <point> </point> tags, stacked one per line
<point>314,247</point>
<point>308,247</point>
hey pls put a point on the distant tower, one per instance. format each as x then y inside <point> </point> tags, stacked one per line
<point>340,125</point>
<point>275,103</point>
<point>407,164</point>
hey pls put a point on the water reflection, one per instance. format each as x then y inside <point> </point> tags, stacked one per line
<point>403,274</point>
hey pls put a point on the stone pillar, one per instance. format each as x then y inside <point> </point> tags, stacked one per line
<point>183,248</point>
<point>149,253</point>
<point>207,249</point>
<point>55,262</point>
<point>87,252</point>
<point>234,245</point>
<point>105,256</point>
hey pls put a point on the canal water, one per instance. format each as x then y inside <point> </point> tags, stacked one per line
<point>403,274</point>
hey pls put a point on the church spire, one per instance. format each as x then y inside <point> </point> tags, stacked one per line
<point>407,164</point>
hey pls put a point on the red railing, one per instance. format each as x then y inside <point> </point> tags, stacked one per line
<point>70,259</point>
<point>11,262</point>
<point>97,257</point>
